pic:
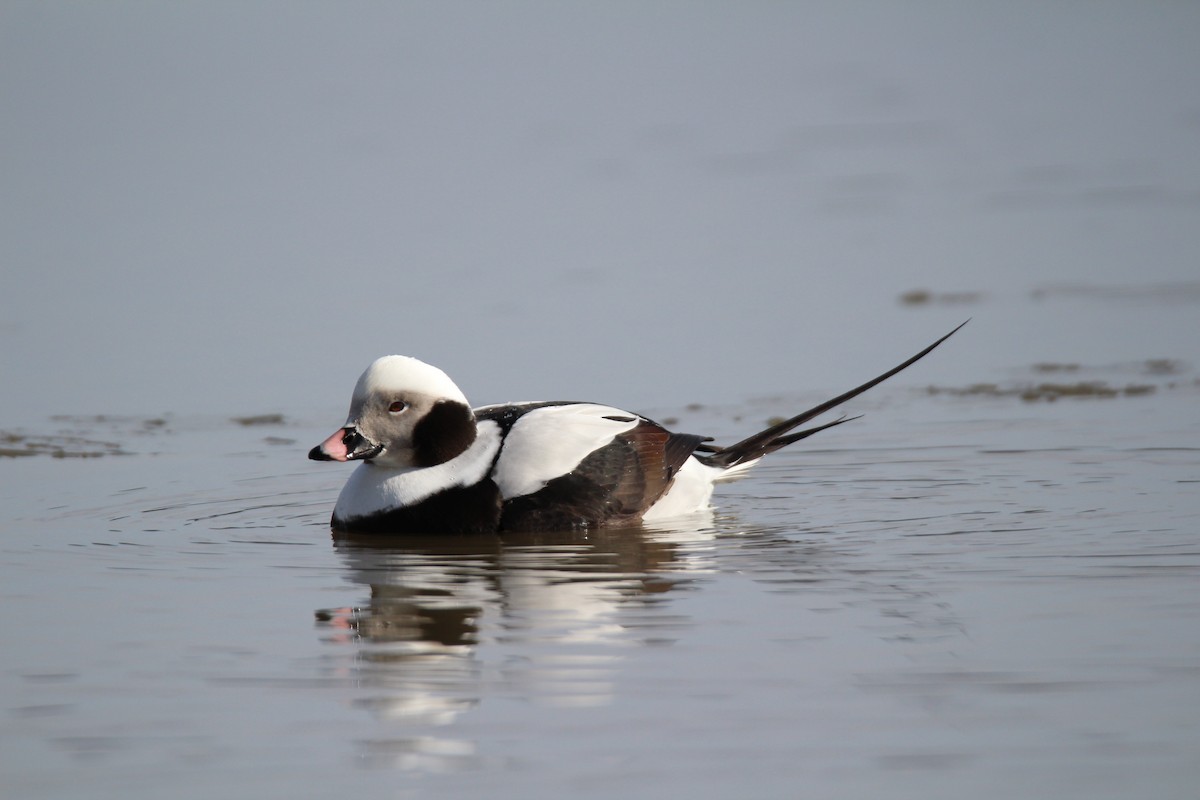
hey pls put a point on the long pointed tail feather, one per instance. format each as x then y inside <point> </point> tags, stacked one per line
<point>755,447</point>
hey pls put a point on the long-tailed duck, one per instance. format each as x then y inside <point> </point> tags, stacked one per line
<point>432,464</point>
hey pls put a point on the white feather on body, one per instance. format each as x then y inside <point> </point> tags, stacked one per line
<point>549,442</point>
<point>372,488</point>
<point>690,492</point>
<point>692,489</point>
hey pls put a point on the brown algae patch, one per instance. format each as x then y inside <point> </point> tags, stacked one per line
<point>1180,292</point>
<point>260,419</point>
<point>923,297</point>
<point>1162,366</point>
<point>127,425</point>
<point>1084,389</point>
<point>1048,391</point>
<point>17,445</point>
<point>1065,380</point>
<point>84,436</point>
<point>1047,366</point>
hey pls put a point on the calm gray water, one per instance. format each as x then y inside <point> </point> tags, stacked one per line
<point>214,216</point>
<point>952,596</point>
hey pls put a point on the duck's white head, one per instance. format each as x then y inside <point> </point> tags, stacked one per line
<point>404,414</point>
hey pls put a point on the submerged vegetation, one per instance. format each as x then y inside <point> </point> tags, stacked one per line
<point>1033,391</point>
<point>1048,391</point>
<point>16,445</point>
<point>96,435</point>
<point>260,419</point>
<point>921,297</point>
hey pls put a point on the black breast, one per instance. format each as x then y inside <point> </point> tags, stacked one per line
<point>459,509</point>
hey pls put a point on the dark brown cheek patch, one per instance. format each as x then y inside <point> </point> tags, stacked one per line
<point>446,431</point>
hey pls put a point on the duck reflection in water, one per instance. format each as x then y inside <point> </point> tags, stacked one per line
<point>555,619</point>
<point>417,638</point>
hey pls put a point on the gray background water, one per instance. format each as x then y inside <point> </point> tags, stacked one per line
<point>226,210</point>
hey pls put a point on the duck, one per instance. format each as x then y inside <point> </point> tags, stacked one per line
<point>432,464</point>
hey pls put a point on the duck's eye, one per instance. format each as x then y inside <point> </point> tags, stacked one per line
<point>397,406</point>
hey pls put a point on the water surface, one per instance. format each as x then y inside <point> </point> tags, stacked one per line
<point>986,592</point>
<point>214,219</point>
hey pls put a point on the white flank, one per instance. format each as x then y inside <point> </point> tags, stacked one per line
<point>690,492</point>
<point>549,442</point>
<point>372,489</point>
